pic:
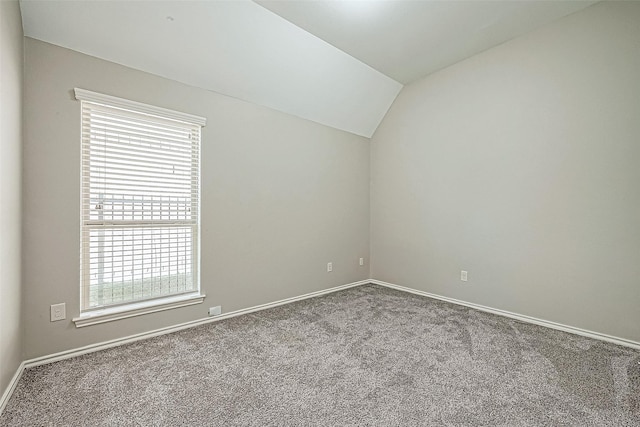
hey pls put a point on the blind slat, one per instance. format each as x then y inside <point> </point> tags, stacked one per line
<point>105,122</point>
<point>120,148</point>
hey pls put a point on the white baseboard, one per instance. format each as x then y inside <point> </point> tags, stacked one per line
<point>11,387</point>
<point>67,354</point>
<point>162,331</point>
<point>521,317</point>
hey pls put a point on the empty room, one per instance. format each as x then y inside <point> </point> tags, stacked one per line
<point>319,213</point>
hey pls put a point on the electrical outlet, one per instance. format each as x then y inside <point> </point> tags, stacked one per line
<point>463,275</point>
<point>215,311</point>
<point>361,261</point>
<point>329,267</point>
<point>58,312</point>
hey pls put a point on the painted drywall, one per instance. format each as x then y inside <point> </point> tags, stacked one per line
<point>10,191</point>
<point>237,48</point>
<point>407,40</point>
<point>520,165</point>
<point>281,197</point>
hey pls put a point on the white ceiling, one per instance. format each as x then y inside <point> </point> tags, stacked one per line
<point>255,52</point>
<point>236,48</point>
<point>407,40</point>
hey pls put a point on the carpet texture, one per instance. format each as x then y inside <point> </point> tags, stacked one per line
<point>366,356</point>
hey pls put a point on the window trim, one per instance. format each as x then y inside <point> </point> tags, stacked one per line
<point>137,308</point>
<point>87,95</point>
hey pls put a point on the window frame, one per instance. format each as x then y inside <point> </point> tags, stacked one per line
<point>89,316</point>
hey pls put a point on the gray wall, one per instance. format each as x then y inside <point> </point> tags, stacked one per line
<point>10,192</point>
<point>520,165</point>
<point>281,197</point>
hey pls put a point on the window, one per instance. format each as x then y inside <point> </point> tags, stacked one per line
<point>139,205</point>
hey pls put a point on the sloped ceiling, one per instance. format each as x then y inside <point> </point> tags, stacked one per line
<point>298,57</point>
<point>235,48</point>
<point>407,40</point>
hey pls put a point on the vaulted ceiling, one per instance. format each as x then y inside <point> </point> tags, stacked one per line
<point>340,63</point>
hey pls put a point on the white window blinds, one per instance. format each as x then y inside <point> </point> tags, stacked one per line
<point>140,202</point>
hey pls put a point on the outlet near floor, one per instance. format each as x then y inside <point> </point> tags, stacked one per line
<point>58,312</point>
<point>463,275</point>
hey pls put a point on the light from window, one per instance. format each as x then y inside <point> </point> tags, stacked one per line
<point>140,203</point>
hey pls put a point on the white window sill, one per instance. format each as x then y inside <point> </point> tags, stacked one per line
<point>136,309</point>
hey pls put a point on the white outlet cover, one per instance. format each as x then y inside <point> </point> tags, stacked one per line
<point>463,275</point>
<point>215,311</point>
<point>58,312</point>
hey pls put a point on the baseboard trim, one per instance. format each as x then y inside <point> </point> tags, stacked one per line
<point>11,387</point>
<point>67,354</point>
<point>175,328</point>
<point>521,317</point>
